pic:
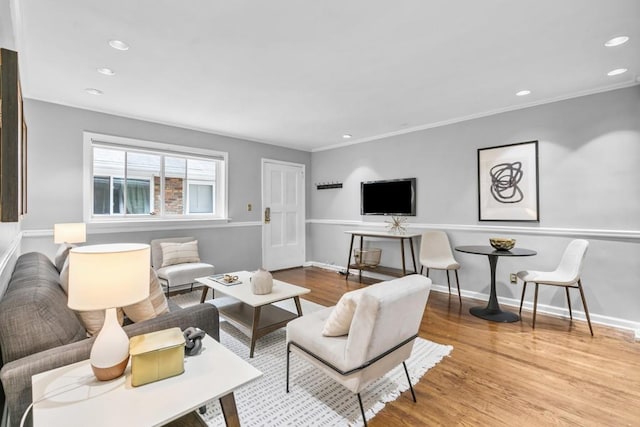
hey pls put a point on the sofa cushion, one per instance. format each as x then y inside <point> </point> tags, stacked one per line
<point>34,302</point>
<point>154,305</point>
<point>179,253</point>
<point>61,255</point>
<point>91,320</point>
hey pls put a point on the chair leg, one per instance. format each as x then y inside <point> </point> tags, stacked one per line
<point>458,283</point>
<point>448,281</point>
<point>524,288</point>
<point>406,371</point>
<point>421,268</point>
<point>427,271</point>
<point>584,304</point>
<point>569,303</point>
<point>535,307</point>
<point>364,419</point>
<point>288,353</point>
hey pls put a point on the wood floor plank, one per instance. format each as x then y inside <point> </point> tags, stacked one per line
<point>506,373</point>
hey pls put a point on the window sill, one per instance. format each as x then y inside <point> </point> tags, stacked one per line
<point>112,225</point>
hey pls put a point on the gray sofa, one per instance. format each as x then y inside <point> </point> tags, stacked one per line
<point>38,332</point>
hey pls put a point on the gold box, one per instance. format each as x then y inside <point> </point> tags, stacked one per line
<point>156,356</point>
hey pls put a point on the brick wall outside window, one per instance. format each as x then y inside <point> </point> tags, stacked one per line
<point>173,195</point>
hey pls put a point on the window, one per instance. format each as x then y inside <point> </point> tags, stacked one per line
<point>130,179</point>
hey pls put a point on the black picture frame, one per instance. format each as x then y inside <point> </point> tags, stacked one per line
<point>508,183</point>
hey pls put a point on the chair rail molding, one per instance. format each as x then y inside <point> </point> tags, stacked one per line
<point>104,228</point>
<point>622,235</point>
<point>511,302</point>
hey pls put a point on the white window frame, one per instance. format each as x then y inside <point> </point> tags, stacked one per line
<point>91,139</point>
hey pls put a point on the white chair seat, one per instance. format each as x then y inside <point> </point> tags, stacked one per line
<point>546,277</point>
<point>307,331</point>
<point>183,274</point>
<point>442,264</point>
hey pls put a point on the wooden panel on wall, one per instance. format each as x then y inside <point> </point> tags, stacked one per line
<point>10,136</point>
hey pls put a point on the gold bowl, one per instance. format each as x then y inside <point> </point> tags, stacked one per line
<point>502,243</point>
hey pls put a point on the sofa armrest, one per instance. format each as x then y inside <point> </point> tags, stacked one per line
<point>16,375</point>
<point>203,316</point>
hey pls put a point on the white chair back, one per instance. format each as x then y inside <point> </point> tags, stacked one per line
<point>387,314</point>
<point>572,260</point>
<point>434,246</point>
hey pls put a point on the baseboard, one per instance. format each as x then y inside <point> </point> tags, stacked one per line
<point>510,302</point>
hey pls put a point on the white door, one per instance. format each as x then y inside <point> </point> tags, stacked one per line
<point>283,215</point>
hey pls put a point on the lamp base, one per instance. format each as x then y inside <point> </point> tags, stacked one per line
<point>110,351</point>
<point>113,372</point>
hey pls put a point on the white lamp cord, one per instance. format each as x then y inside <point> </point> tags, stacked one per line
<point>26,412</point>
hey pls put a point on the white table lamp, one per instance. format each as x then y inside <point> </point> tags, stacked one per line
<point>106,277</point>
<point>71,232</point>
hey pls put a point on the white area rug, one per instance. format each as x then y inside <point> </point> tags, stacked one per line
<point>314,399</point>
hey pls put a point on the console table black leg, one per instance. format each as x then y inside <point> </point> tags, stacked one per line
<point>361,248</point>
<point>346,276</point>
<point>404,270</point>
<point>413,255</point>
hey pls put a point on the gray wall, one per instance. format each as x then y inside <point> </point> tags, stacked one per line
<point>55,181</point>
<point>589,150</point>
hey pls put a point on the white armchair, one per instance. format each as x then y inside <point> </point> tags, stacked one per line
<point>177,262</point>
<point>385,323</point>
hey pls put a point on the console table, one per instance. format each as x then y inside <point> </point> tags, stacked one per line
<point>382,270</point>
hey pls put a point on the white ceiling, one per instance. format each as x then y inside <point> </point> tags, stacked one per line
<point>301,73</point>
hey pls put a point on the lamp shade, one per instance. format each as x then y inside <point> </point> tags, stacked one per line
<point>108,276</point>
<point>71,232</point>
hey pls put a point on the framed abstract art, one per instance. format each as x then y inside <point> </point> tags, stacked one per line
<point>508,183</point>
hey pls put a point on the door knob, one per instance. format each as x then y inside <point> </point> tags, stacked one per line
<point>267,215</point>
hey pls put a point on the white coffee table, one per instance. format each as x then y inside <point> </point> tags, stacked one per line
<point>72,396</point>
<point>254,315</point>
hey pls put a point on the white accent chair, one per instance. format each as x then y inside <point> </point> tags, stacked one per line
<point>436,254</point>
<point>177,274</point>
<point>385,324</point>
<point>567,275</point>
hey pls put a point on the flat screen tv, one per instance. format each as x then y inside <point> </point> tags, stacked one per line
<point>390,197</point>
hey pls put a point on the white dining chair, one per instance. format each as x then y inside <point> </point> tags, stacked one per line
<point>436,254</point>
<point>567,275</point>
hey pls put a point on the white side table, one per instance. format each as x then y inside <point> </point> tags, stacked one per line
<point>72,396</point>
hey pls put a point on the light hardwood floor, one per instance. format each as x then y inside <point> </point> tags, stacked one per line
<point>507,373</point>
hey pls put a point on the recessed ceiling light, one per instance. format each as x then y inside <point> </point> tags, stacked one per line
<point>617,71</point>
<point>616,41</point>
<point>118,44</point>
<point>93,91</point>
<point>346,136</point>
<point>523,93</point>
<point>106,71</point>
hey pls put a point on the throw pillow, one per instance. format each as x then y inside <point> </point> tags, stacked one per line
<point>179,253</point>
<point>92,320</point>
<point>61,255</point>
<point>152,306</point>
<point>339,321</point>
